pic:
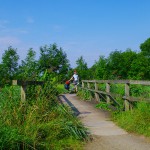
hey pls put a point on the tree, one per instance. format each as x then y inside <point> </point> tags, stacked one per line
<point>145,48</point>
<point>99,68</point>
<point>140,68</point>
<point>9,65</point>
<point>53,60</point>
<point>127,58</point>
<point>28,70</point>
<point>114,66</point>
<point>119,64</point>
<point>82,68</point>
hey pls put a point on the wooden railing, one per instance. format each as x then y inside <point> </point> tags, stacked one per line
<point>86,85</point>
<point>24,84</point>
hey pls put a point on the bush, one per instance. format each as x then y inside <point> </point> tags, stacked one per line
<point>38,123</point>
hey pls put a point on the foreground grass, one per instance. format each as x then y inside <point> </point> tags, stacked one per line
<point>38,124</point>
<point>135,121</point>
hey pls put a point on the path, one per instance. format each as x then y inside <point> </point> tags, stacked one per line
<point>106,135</point>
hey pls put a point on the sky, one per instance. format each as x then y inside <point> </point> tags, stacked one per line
<point>88,28</point>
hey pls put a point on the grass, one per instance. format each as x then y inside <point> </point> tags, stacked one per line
<point>135,121</point>
<point>39,123</point>
<point>85,94</point>
<point>61,89</point>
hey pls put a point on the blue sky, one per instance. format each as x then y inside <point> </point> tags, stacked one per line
<point>88,28</point>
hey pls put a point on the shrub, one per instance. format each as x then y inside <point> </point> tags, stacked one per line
<point>38,123</point>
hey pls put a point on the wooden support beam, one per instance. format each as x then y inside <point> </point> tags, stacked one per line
<point>126,102</point>
<point>96,94</point>
<point>108,91</point>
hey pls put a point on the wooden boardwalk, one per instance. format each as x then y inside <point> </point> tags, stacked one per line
<point>106,135</point>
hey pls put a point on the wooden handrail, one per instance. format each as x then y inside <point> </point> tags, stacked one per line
<point>127,98</point>
<point>141,82</point>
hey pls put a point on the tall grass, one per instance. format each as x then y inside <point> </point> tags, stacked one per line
<point>38,123</point>
<point>137,120</point>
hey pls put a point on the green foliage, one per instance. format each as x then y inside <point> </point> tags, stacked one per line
<point>9,66</point>
<point>137,120</point>
<point>82,68</point>
<point>123,65</point>
<point>140,91</point>
<point>145,48</point>
<point>140,68</point>
<point>61,89</point>
<point>28,70</point>
<point>99,68</point>
<point>38,123</point>
<point>103,105</point>
<point>84,94</point>
<point>53,60</point>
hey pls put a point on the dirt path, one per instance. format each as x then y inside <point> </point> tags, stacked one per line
<point>106,135</point>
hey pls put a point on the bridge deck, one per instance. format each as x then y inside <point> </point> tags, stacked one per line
<point>108,136</point>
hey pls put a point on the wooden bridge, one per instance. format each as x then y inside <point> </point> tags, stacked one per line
<point>94,86</point>
<point>108,96</point>
<point>105,133</point>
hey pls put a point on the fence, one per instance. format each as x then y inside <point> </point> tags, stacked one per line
<point>86,85</point>
<point>24,84</point>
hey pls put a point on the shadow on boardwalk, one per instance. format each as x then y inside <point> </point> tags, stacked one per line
<point>106,135</point>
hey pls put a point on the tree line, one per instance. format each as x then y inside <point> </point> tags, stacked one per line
<point>53,63</point>
<point>119,65</point>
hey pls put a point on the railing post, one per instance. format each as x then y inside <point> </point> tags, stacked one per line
<point>96,94</point>
<point>14,82</point>
<point>82,84</point>
<point>23,90</point>
<point>88,84</point>
<point>23,93</point>
<point>127,93</point>
<point>108,91</point>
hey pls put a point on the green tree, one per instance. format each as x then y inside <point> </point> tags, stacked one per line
<point>119,64</point>
<point>145,48</point>
<point>114,66</point>
<point>99,68</point>
<point>127,58</point>
<point>9,65</point>
<point>53,61</point>
<point>28,70</point>
<point>140,68</point>
<point>82,68</point>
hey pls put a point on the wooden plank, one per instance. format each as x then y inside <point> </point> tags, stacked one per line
<point>136,99</point>
<point>23,93</point>
<point>82,84</point>
<point>108,91</point>
<point>126,102</point>
<point>96,95</point>
<point>24,83</point>
<point>140,82</point>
